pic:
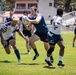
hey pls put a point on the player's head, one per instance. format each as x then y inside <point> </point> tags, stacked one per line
<point>33,10</point>
<point>11,13</point>
<point>60,12</point>
<point>15,20</point>
<point>25,13</point>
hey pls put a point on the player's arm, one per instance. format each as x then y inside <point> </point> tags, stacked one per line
<point>28,26</point>
<point>21,34</point>
<point>35,21</point>
<point>1,34</point>
<point>51,22</point>
<point>4,41</point>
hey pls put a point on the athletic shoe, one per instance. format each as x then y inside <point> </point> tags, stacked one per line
<point>10,46</point>
<point>19,61</point>
<point>34,58</point>
<point>48,62</point>
<point>28,52</point>
<point>60,63</point>
<point>51,59</point>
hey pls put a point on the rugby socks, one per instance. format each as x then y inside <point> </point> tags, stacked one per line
<point>17,53</point>
<point>60,58</point>
<point>36,52</point>
<point>48,58</point>
<point>51,57</point>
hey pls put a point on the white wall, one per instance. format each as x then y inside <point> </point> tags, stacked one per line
<point>45,9</point>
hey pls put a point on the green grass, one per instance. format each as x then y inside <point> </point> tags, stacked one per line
<point>10,66</point>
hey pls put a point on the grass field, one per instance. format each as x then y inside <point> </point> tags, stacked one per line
<point>10,66</point>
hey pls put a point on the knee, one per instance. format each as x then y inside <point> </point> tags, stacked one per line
<point>8,52</point>
<point>31,41</point>
<point>51,49</point>
<point>14,47</point>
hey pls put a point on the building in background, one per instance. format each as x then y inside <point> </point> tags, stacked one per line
<point>44,7</point>
<point>1,6</point>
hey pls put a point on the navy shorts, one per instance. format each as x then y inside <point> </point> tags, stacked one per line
<point>7,41</point>
<point>53,38</point>
<point>75,30</point>
<point>43,36</point>
<point>27,33</point>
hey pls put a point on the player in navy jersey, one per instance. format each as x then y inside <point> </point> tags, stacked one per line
<point>7,38</point>
<point>41,30</point>
<point>26,32</point>
<point>9,18</point>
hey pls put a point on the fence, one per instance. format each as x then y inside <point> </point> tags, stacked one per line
<point>71,28</point>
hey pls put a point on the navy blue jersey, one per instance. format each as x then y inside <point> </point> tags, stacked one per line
<point>8,19</point>
<point>41,27</point>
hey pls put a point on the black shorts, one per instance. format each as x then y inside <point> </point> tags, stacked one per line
<point>53,39</point>
<point>27,33</point>
<point>75,31</point>
<point>7,42</point>
<point>43,36</point>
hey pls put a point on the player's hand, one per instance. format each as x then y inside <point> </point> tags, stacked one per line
<point>27,39</point>
<point>26,18</point>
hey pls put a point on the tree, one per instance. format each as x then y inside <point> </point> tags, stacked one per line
<point>67,5</point>
<point>8,5</point>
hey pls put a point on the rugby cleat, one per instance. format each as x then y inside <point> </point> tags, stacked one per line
<point>51,59</point>
<point>20,61</point>
<point>60,63</point>
<point>48,62</point>
<point>34,58</point>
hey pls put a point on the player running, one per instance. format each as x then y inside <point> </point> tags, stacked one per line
<point>7,38</point>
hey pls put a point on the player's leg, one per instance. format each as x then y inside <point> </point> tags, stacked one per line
<point>12,42</point>
<point>49,54</point>
<point>73,44</point>
<point>47,46</point>
<point>61,52</point>
<point>28,46</point>
<point>32,41</point>
<point>6,47</point>
<point>74,40</point>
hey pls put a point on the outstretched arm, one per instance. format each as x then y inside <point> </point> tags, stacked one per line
<point>4,41</point>
<point>21,34</point>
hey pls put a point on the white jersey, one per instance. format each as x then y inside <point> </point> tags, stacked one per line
<point>8,30</point>
<point>56,25</point>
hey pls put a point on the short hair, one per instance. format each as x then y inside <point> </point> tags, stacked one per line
<point>25,12</point>
<point>59,11</point>
<point>34,8</point>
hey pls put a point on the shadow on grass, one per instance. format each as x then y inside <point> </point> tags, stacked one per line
<point>24,53</point>
<point>49,67</point>
<point>5,61</point>
<point>28,64</point>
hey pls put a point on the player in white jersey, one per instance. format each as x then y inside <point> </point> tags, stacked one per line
<point>7,37</point>
<point>54,36</point>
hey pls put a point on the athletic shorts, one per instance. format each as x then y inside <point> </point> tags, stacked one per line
<point>53,38</point>
<point>7,41</point>
<point>27,33</point>
<point>43,36</point>
<point>75,30</point>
